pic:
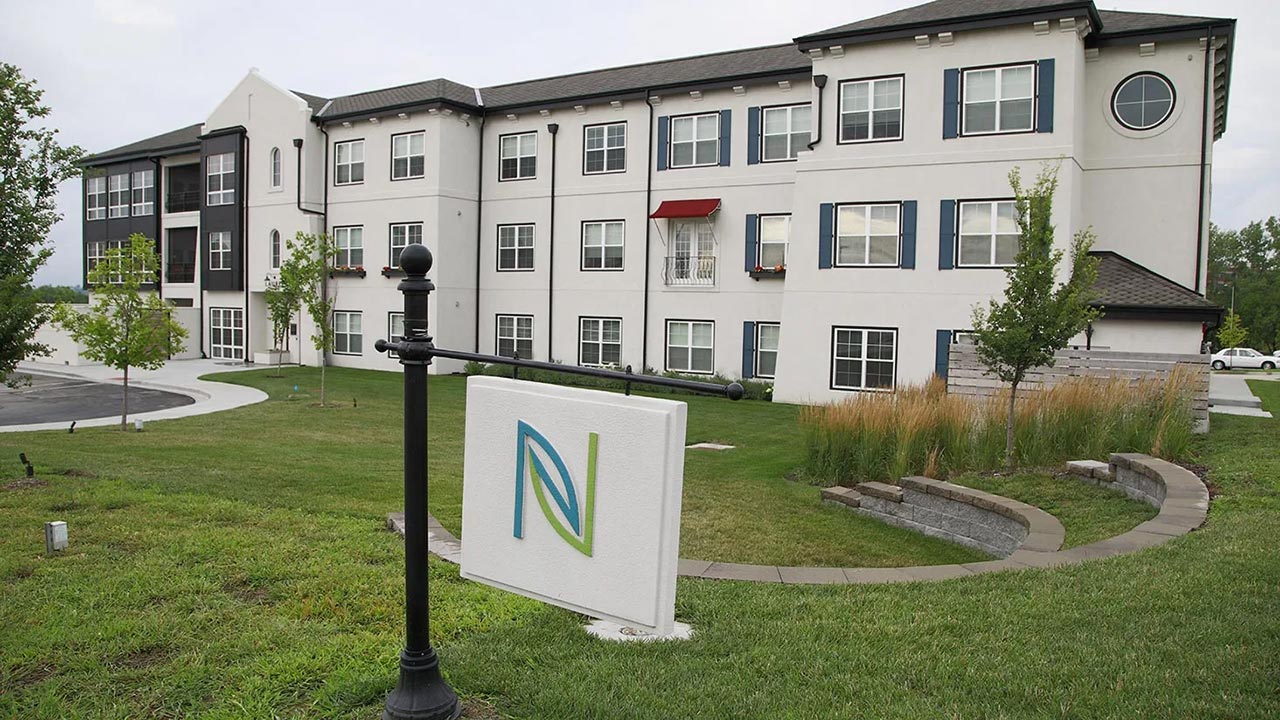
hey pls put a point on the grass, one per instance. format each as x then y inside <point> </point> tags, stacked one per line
<point>1087,513</point>
<point>924,430</point>
<point>263,586</point>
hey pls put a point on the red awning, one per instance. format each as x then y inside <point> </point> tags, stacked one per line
<point>686,208</point>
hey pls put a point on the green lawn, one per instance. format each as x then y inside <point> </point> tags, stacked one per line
<point>234,566</point>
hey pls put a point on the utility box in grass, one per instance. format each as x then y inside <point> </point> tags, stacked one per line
<point>572,497</point>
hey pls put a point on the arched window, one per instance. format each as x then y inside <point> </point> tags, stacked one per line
<point>275,167</point>
<point>1143,100</point>
<point>275,250</point>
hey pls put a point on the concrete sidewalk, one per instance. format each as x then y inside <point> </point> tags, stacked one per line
<point>1229,394</point>
<point>177,376</point>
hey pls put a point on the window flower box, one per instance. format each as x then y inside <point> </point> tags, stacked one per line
<point>389,272</point>
<point>777,271</point>
<point>347,271</point>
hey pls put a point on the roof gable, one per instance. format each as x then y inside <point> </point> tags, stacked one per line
<point>1123,283</point>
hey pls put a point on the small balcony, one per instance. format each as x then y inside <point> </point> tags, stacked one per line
<point>690,271</point>
<point>176,202</point>
<point>180,272</point>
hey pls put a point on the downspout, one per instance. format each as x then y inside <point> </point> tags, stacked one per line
<point>244,238</point>
<point>297,144</point>
<point>552,128</point>
<point>820,82</point>
<point>479,226</point>
<point>1204,154</point>
<point>648,229</point>
<point>324,231</point>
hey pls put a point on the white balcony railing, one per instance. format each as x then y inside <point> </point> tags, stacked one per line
<point>690,270</point>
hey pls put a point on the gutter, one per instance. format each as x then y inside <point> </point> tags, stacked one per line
<point>1204,154</point>
<point>552,128</point>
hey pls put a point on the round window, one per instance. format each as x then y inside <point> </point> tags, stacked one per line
<point>1143,101</point>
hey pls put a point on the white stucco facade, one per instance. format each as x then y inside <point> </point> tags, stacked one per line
<point>1139,191</point>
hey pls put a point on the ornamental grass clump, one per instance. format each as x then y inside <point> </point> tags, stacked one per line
<point>924,430</point>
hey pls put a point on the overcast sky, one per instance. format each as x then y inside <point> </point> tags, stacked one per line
<point>116,71</point>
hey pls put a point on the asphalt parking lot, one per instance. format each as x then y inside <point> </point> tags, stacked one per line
<point>55,399</point>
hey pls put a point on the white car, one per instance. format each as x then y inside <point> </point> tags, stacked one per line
<point>1233,358</point>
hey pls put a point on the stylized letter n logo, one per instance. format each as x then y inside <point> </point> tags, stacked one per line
<point>530,447</point>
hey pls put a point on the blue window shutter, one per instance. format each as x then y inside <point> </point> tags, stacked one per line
<point>947,235</point>
<point>725,137</point>
<point>753,232</point>
<point>664,132</point>
<point>753,136</point>
<point>942,353</point>
<point>826,233</point>
<point>908,260</point>
<point>950,103</point>
<point>1044,118</point>
<point>748,350</point>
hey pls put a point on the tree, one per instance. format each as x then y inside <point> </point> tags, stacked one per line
<point>1244,275</point>
<point>282,301</point>
<point>32,164</point>
<point>126,326</point>
<point>1038,315</point>
<point>60,293</point>
<point>1232,333</point>
<point>310,257</point>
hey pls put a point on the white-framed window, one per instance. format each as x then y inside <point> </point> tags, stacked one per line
<point>518,156</point>
<point>95,198</point>
<point>275,249</point>
<point>408,155</point>
<point>1143,101</point>
<point>963,337</point>
<point>871,110</point>
<point>94,253</point>
<point>226,333</point>
<point>402,236</point>
<point>693,254</point>
<point>867,235</point>
<point>771,247</point>
<point>276,171</point>
<point>695,140</point>
<point>395,330</point>
<point>767,349</point>
<point>220,172</point>
<point>989,234</point>
<point>348,338</point>
<point>604,148</point>
<point>863,358</point>
<point>348,162</point>
<point>691,346</point>
<point>1000,99</point>
<point>785,132</point>
<point>144,192</point>
<point>118,196</point>
<point>602,244</point>
<point>599,341</point>
<point>348,244</point>
<point>514,336</point>
<point>515,247</point>
<point>220,250</point>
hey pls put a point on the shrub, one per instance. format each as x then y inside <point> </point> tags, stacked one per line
<point>925,430</point>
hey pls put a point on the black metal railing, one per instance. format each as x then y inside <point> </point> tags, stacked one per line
<point>689,270</point>
<point>176,202</point>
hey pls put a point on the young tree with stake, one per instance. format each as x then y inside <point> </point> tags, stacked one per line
<point>282,299</point>
<point>308,264</point>
<point>126,326</point>
<point>1037,315</point>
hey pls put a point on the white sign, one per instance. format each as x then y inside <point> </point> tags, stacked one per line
<point>572,497</point>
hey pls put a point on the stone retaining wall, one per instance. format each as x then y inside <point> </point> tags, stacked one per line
<point>980,520</point>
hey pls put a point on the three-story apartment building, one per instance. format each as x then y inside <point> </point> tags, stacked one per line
<point>823,214</point>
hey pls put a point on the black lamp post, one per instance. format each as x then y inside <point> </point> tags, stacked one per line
<point>421,693</point>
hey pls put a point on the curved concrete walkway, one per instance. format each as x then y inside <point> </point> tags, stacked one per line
<point>1182,499</point>
<point>177,376</point>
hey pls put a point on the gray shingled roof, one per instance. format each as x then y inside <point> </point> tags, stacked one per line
<point>419,93</point>
<point>941,11</point>
<point>1124,283</point>
<point>315,102</point>
<point>172,140</point>
<point>761,61</point>
<point>1115,22</point>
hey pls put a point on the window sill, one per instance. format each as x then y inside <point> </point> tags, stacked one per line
<point>346,272</point>
<point>759,275</point>
<point>389,272</point>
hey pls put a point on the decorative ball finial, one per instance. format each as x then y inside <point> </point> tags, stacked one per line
<point>735,391</point>
<point>415,260</point>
